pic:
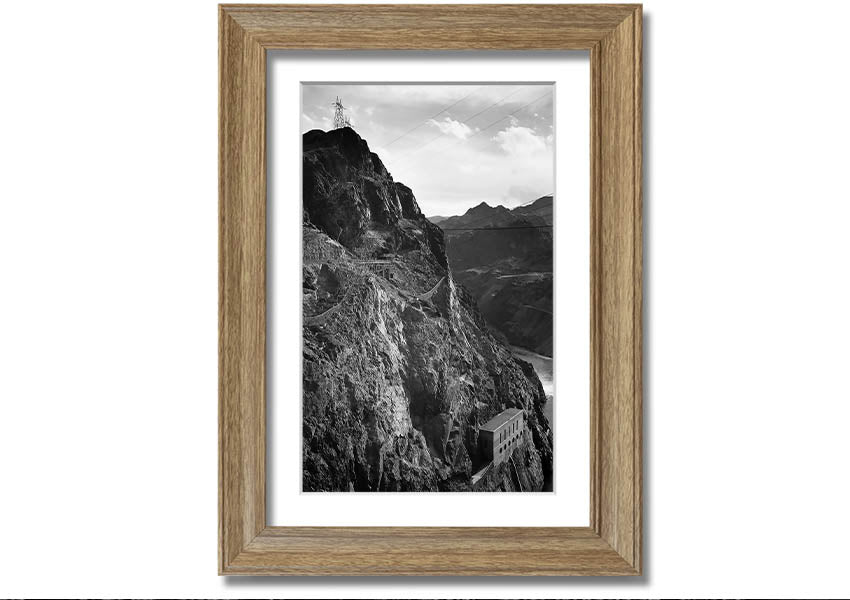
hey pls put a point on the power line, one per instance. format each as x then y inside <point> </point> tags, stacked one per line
<point>464,122</point>
<point>492,105</point>
<point>409,154</point>
<point>495,228</point>
<point>508,115</point>
<point>430,118</point>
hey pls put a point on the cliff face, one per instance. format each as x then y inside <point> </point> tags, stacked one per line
<point>399,367</point>
<point>504,258</point>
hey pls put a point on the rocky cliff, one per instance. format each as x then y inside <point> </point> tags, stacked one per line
<point>504,258</point>
<point>400,368</point>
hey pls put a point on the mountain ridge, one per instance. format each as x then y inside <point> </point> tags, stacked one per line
<point>537,212</point>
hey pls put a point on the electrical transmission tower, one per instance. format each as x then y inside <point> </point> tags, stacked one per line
<point>340,120</point>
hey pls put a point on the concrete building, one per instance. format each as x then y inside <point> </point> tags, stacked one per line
<point>501,434</point>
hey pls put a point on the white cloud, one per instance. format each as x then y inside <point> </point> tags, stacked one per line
<point>519,194</point>
<point>516,140</point>
<point>451,127</point>
<point>311,122</point>
<point>451,176</point>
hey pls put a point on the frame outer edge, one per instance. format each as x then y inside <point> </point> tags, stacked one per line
<point>241,289</point>
<point>619,290</point>
<point>242,260</point>
<point>638,281</point>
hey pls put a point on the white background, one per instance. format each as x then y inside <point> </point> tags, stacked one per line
<point>108,322</point>
<point>569,504</point>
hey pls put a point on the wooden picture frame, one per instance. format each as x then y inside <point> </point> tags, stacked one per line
<point>611,544</point>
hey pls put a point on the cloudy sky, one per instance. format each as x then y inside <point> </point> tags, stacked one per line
<point>455,146</point>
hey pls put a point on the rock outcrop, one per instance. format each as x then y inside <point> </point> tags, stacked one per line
<point>400,368</point>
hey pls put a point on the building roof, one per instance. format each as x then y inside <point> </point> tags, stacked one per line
<point>500,419</point>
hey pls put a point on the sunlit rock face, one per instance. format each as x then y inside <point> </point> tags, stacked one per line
<point>399,367</point>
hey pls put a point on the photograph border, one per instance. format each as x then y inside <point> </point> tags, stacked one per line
<point>612,543</point>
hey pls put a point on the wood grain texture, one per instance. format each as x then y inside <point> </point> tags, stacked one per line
<point>611,545</point>
<point>242,284</point>
<point>430,551</point>
<point>617,468</point>
<point>429,27</point>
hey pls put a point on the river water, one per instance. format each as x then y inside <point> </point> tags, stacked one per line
<point>543,366</point>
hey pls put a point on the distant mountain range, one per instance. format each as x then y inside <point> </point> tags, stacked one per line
<point>504,258</point>
<point>538,212</point>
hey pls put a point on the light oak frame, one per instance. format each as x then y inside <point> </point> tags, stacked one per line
<point>611,545</point>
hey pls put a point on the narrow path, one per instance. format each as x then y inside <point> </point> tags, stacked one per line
<point>322,317</point>
<point>543,310</point>
<point>481,473</point>
<point>430,293</point>
<point>529,274</point>
<point>516,472</point>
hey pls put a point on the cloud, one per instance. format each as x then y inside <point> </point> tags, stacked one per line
<point>449,126</point>
<point>520,194</point>
<point>311,122</point>
<point>522,141</point>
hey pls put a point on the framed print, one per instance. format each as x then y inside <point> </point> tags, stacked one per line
<point>455,385</point>
<point>500,149</point>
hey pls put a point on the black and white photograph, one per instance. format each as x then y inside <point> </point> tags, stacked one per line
<point>427,290</point>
